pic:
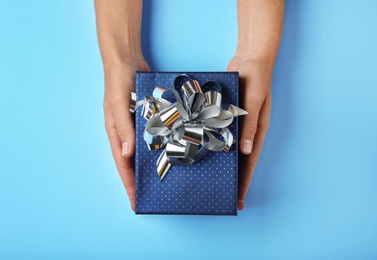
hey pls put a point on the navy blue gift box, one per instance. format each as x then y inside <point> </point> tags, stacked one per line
<point>206,187</point>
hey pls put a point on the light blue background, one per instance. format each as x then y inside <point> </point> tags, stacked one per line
<point>314,192</point>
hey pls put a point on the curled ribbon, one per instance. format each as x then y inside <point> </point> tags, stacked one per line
<point>197,121</point>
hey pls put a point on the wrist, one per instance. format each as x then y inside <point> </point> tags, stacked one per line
<point>266,54</point>
<point>129,55</point>
<point>126,65</point>
<point>116,57</point>
<point>264,62</point>
<point>120,49</point>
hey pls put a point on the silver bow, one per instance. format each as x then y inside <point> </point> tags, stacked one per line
<point>196,122</point>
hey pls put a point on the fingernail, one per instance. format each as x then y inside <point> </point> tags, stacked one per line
<point>247,146</point>
<point>125,148</point>
<point>240,206</point>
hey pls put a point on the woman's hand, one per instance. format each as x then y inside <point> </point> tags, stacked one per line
<point>255,92</point>
<point>119,81</point>
<point>118,27</point>
<point>260,25</point>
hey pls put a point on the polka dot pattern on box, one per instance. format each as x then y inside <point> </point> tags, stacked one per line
<point>206,187</point>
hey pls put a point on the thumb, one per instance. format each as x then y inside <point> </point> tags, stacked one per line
<point>125,128</point>
<point>249,125</point>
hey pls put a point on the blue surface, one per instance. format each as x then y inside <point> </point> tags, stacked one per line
<point>314,192</point>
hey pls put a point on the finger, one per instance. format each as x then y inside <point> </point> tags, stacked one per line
<point>252,103</point>
<point>125,129</point>
<point>124,122</point>
<point>248,126</point>
<point>124,165</point>
<point>249,162</point>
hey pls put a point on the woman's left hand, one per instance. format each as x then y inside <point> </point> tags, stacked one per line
<point>255,92</point>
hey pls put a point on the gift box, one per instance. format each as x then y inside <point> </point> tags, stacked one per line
<point>202,186</point>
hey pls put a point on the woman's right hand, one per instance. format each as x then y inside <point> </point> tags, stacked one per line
<point>119,83</point>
